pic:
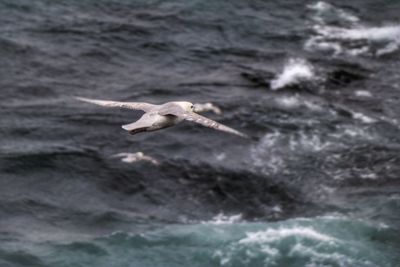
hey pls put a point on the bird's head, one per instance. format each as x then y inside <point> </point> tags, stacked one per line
<point>187,106</point>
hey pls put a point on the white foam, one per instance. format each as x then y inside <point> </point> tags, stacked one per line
<point>225,259</point>
<point>363,93</point>
<point>390,48</point>
<point>386,33</point>
<point>317,43</point>
<point>323,8</point>
<point>275,151</point>
<point>311,241</point>
<point>265,153</point>
<point>387,38</point>
<point>316,256</point>
<point>362,117</point>
<point>273,235</point>
<point>271,153</point>
<point>341,39</point>
<point>295,71</point>
<point>224,219</point>
<point>311,142</point>
<point>320,6</point>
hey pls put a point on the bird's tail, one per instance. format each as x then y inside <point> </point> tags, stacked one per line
<point>133,128</point>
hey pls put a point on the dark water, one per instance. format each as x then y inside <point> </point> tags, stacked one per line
<point>315,84</point>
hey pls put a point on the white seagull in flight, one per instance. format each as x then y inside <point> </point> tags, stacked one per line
<point>157,117</point>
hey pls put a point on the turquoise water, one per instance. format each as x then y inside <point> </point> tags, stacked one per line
<point>321,241</point>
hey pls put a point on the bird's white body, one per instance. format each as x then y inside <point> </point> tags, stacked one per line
<point>152,121</point>
<point>158,117</point>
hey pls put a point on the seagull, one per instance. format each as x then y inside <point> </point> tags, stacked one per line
<point>157,117</point>
<point>198,107</point>
<point>134,157</point>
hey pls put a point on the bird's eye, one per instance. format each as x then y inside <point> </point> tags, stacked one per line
<point>191,107</point>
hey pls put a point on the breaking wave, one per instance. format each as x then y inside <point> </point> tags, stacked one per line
<point>351,37</point>
<point>318,241</point>
<point>294,72</point>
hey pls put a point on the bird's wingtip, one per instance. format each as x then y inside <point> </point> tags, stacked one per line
<point>241,134</point>
<point>245,136</point>
<point>81,98</point>
<point>90,100</point>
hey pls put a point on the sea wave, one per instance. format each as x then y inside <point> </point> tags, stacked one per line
<point>318,241</point>
<point>295,71</point>
<point>352,36</point>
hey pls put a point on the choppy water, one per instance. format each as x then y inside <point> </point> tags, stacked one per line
<point>316,85</point>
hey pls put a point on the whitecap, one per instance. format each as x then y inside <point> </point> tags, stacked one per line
<point>318,241</point>
<point>351,37</point>
<point>272,235</point>
<point>385,33</point>
<point>295,71</point>
<point>322,9</point>
<point>224,219</point>
<point>363,93</point>
<point>384,39</point>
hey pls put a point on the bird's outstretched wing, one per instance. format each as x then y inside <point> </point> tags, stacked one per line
<point>120,155</point>
<point>129,105</point>
<point>191,116</point>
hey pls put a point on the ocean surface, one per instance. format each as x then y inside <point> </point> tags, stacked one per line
<point>315,84</point>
